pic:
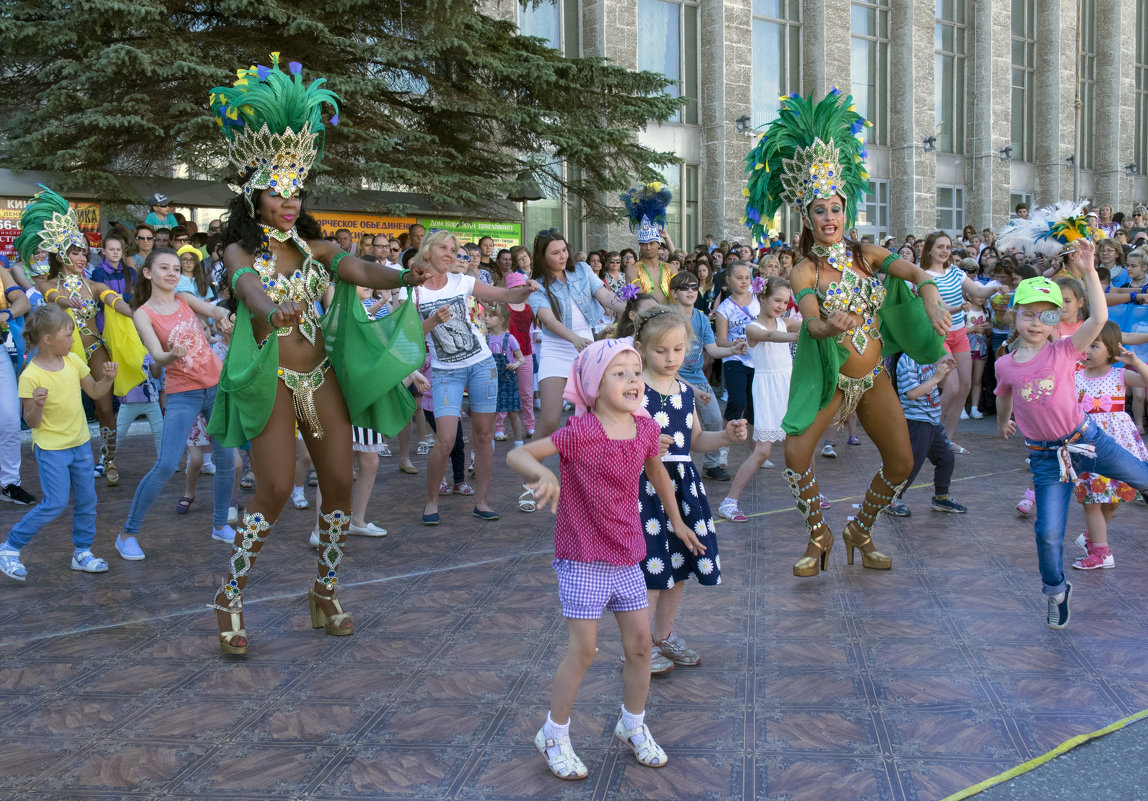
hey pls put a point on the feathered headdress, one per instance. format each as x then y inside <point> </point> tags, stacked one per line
<point>48,223</point>
<point>1048,231</point>
<point>812,150</point>
<point>646,208</point>
<point>274,124</point>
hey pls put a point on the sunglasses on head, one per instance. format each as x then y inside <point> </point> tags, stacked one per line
<point>549,232</point>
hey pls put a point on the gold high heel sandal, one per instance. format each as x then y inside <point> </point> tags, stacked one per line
<point>855,536</point>
<point>234,610</point>
<point>333,624</point>
<point>808,566</point>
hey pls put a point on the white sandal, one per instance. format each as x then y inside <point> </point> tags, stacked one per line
<point>527,502</point>
<point>649,753</point>
<point>566,765</point>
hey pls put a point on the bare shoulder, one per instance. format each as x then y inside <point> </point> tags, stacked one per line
<point>235,256</point>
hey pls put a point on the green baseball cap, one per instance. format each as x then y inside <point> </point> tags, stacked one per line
<point>1038,290</point>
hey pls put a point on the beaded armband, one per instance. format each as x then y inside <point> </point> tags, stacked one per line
<point>238,273</point>
<point>335,263</point>
<point>107,292</point>
<point>892,257</point>
<point>927,281</point>
<point>807,291</point>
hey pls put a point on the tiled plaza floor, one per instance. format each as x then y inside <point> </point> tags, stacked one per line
<point>857,684</point>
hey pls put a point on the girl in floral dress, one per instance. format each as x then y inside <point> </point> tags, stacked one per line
<point>1100,387</point>
<point>662,336</point>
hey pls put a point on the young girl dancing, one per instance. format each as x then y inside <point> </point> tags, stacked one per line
<point>50,390</point>
<point>1101,390</point>
<point>768,337</point>
<point>173,334</point>
<point>1036,383</point>
<point>598,538</point>
<point>662,337</point>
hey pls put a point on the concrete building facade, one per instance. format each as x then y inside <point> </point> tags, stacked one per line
<point>973,102</point>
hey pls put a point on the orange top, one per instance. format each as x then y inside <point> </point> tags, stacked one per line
<point>199,369</point>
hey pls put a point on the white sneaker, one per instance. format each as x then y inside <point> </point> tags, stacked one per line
<point>315,541</point>
<point>223,534</point>
<point>299,500</point>
<point>828,452</point>
<point>976,413</point>
<point>767,465</point>
<point>232,515</point>
<point>369,530</point>
<point>964,415</point>
<point>208,469</point>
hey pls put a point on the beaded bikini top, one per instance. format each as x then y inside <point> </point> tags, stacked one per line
<point>853,293</point>
<point>74,286</point>
<point>304,286</point>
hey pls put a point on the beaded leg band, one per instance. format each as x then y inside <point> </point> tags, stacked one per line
<point>332,536</point>
<point>807,497</point>
<point>876,501</point>
<point>253,534</point>
<point>108,448</point>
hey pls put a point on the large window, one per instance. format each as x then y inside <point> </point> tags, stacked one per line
<point>691,204</point>
<point>1141,151</point>
<point>951,209</point>
<point>873,214</point>
<point>668,43</point>
<point>776,55</point>
<point>949,74</point>
<point>543,21</point>
<point>1087,83</point>
<point>869,66</point>
<point>1023,75</point>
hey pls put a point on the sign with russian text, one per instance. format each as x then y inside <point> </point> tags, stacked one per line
<point>504,234</point>
<point>360,224</point>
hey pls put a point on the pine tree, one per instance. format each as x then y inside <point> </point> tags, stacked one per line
<point>436,98</point>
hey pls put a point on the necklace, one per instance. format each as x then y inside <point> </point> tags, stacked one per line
<point>836,254</point>
<point>304,285</point>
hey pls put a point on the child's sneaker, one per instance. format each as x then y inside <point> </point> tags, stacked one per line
<point>675,649</point>
<point>828,451</point>
<point>728,510</point>
<point>1098,557</point>
<point>976,413</point>
<point>1058,610</point>
<point>1026,503</point>
<point>824,501</point>
<point>10,564</point>
<point>946,504</point>
<point>88,562</point>
<point>208,468</point>
<point>299,499</point>
<point>898,508</point>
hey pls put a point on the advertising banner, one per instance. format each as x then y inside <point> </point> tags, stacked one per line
<point>87,214</point>
<point>504,234</point>
<point>359,224</point>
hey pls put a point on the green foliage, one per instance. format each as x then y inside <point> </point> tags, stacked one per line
<point>435,97</point>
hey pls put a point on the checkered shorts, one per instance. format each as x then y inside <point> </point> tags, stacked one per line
<point>586,588</point>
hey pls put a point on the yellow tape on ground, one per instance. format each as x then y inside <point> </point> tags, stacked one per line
<point>1067,745</point>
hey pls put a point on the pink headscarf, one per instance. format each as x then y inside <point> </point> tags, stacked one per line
<point>587,370</point>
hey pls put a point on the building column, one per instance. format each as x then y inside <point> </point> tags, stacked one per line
<point>1115,104</point>
<point>912,118</point>
<point>727,73</point>
<point>988,178</point>
<point>610,30</point>
<point>825,46</point>
<point>1055,96</point>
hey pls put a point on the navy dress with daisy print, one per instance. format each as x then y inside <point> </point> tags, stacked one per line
<point>668,560</point>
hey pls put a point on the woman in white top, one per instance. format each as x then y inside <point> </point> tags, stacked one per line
<point>460,360</point>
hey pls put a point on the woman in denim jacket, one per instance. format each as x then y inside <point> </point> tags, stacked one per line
<point>568,306</point>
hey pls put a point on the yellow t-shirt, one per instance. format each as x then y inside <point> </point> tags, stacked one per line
<point>63,425</point>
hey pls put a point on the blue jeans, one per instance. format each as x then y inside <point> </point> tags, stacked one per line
<point>710,418</point>
<point>480,382</point>
<point>1053,495</point>
<point>178,418</point>
<point>60,472</point>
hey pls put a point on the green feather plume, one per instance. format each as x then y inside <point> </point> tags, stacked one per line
<point>782,154</point>
<point>268,96</point>
<point>46,213</point>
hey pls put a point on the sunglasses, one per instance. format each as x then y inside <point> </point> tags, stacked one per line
<point>1049,317</point>
<point>688,288</point>
<point>144,238</point>
<point>463,257</point>
<point>615,261</point>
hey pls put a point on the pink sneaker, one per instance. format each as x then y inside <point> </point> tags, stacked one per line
<point>1100,556</point>
<point>1026,503</point>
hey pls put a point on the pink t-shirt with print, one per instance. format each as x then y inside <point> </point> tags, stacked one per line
<point>1043,391</point>
<point>598,516</point>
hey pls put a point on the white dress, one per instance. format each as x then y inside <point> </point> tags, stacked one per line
<point>772,367</point>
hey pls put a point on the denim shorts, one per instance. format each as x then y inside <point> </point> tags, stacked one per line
<point>480,382</point>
